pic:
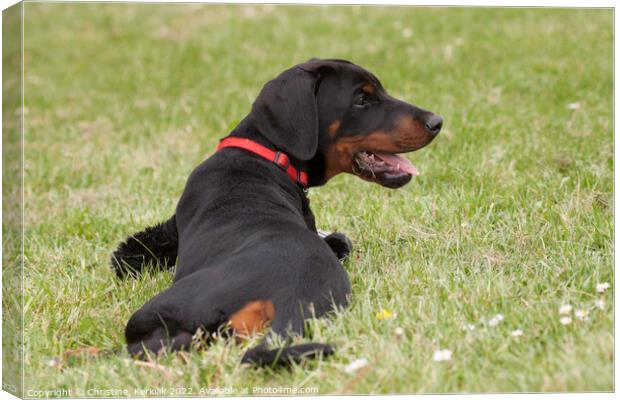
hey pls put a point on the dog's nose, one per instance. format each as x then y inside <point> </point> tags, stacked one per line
<point>433,124</point>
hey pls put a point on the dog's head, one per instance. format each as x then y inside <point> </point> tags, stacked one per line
<point>337,117</point>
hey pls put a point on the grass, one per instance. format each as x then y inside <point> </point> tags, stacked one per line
<point>512,214</point>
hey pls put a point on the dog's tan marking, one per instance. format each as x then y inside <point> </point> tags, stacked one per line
<point>368,88</point>
<point>252,318</point>
<point>407,135</point>
<point>332,129</point>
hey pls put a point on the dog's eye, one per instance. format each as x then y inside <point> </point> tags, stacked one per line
<point>362,100</point>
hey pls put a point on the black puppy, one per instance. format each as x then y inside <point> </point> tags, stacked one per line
<point>245,237</point>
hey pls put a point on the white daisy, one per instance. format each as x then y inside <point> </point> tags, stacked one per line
<point>442,355</point>
<point>600,304</point>
<point>399,332</point>
<point>496,320</point>
<point>601,287</point>
<point>356,365</point>
<point>565,309</point>
<point>566,320</point>
<point>573,106</point>
<point>581,315</point>
<point>52,362</point>
<point>469,327</point>
<point>516,333</point>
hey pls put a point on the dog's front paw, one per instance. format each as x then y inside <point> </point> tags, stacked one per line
<point>340,244</point>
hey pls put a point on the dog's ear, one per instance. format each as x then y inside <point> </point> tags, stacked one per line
<point>285,112</point>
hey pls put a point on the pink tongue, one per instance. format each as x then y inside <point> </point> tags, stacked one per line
<point>397,161</point>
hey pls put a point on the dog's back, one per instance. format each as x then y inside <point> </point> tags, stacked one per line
<point>235,202</point>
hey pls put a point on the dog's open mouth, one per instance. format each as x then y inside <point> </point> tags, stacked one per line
<point>389,170</point>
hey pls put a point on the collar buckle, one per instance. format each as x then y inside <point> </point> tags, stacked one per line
<point>281,160</point>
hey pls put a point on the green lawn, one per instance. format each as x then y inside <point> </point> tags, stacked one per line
<point>512,214</point>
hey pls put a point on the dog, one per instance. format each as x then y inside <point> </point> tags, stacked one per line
<point>243,236</point>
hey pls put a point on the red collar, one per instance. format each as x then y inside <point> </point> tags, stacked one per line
<point>277,157</point>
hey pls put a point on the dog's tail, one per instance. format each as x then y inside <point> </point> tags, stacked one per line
<point>156,245</point>
<point>262,356</point>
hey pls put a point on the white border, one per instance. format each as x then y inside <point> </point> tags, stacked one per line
<point>463,3</point>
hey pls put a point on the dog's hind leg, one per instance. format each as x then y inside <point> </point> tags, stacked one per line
<point>159,326</point>
<point>156,245</point>
<point>288,322</point>
<point>159,340</point>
